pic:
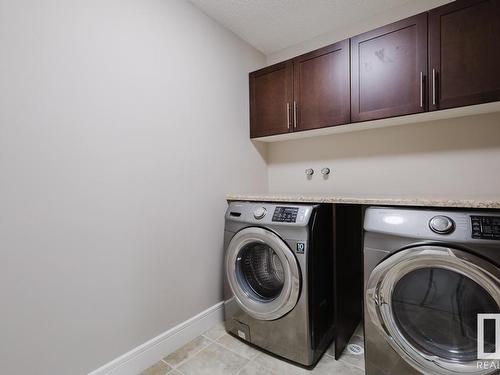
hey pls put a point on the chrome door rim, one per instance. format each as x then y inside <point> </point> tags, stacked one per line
<point>378,299</point>
<point>289,295</point>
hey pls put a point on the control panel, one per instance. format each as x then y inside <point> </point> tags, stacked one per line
<point>285,214</point>
<point>486,227</point>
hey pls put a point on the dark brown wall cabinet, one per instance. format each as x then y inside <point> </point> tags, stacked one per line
<point>271,92</point>
<point>464,53</point>
<point>447,57</point>
<point>389,66</point>
<point>321,87</point>
<point>308,92</point>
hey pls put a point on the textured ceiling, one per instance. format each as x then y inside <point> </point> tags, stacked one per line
<point>272,25</point>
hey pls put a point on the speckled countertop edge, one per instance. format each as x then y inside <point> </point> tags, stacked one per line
<point>390,201</point>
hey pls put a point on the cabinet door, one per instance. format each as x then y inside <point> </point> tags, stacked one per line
<point>464,62</point>
<point>388,70</point>
<point>271,95</point>
<point>321,88</point>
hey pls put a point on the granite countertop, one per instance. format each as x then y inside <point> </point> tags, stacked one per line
<point>390,201</point>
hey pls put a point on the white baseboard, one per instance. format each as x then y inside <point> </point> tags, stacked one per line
<point>147,354</point>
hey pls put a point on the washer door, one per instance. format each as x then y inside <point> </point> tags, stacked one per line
<point>263,273</point>
<point>425,301</point>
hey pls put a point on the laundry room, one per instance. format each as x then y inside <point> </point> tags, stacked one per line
<point>238,187</point>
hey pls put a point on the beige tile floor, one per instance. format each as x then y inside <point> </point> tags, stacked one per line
<point>215,352</point>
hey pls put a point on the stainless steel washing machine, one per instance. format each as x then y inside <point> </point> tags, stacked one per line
<point>428,274</point>
<point>278,278</point>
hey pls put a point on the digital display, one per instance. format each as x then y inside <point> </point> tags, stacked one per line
<point>486,227</point>
<point>285,214</point>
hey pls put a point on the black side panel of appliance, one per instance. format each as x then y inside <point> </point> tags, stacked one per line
<point>320,279</point>
<point>348,272</point>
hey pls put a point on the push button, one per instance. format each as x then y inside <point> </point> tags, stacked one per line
<point>441,224</point>
<point>259,213</point>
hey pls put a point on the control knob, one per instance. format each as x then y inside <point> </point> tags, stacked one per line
<point>259,213</point>
<point>442,224</point>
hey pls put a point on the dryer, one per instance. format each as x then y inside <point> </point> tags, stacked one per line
<point>278,284</point>
<point>428,274</point>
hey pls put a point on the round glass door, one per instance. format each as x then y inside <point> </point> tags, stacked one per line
<point>260,271</point>
<point>436,310</point>
<point>425,301</point>
<point>263,273</point>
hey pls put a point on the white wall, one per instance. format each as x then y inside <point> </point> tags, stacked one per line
<point>122,126</point>
<point>456,158</point>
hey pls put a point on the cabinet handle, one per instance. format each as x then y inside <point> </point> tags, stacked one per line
<point>433,86</point>
<point>294,114</point>
<point>421,89</point>
<point>288,115</point>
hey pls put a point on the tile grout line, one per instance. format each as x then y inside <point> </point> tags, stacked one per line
<point>235,352</point>
<point>343,361</point>
<point>241,369</point>
<point>188,358</point>
<point>259,365</point>
<point>350,364</point>
<point>179,371</point>
<point>174,369</point>
<point>203,348</point>
<point>225,347</point>
<point>249,360</point>
<point>232,351</point>
<point>210,339</point>
<point>199,351</point>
